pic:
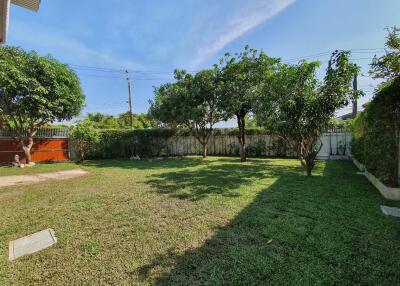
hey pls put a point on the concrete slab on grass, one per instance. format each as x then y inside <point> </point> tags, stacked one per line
<point>392,211</point>
<point>31,243</point>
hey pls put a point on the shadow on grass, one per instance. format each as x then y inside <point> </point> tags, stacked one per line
<point>326,230</point>
<point>215,179</point>
<point>145,164</point>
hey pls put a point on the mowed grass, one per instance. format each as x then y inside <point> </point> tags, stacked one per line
<point>38,168</point>
<point>203,222</point>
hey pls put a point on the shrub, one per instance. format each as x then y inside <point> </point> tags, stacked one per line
<point>83,135</point>
<point>376,134</point>
<point>119,143</point>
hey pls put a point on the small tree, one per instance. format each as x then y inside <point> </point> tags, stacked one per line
<point>35,91</point>
<point>83,135</point>
<point>191,102</point>
<point>243,77</point>
<point>298,108</point>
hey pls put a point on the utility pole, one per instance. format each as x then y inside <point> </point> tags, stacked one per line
<point>354,113</point>
<point>128,78</point>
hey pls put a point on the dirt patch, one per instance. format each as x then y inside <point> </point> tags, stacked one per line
<point>36,178</point>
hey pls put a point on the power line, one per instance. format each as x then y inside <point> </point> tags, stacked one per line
<point>160,72</point>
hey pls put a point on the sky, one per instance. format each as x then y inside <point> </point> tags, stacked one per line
<point>100,39</point>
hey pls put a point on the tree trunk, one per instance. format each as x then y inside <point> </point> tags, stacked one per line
<point>241,136</point>
<point>27,151</point>
<point>204,150</point>
<point>27,148</point>
<point>309,166</point>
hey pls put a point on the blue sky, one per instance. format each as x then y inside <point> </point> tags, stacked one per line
<point>100,39</point>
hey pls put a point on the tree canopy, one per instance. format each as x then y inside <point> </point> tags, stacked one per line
<point>297,107</point>
<point>35,91</point>
<point>243,76</point>
<point>191,102</point>
<point>105,121</point>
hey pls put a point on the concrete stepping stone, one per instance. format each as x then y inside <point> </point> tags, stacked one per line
<point>392,211</point>
<point>31,243</point>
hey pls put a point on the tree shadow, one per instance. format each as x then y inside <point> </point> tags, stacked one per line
<point>214,179</point>
<point>165,163</point>
<point>300,230</point>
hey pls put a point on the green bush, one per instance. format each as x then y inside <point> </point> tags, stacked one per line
<point>83,135</point>
<point>119,143</point>
<point>376,134</point>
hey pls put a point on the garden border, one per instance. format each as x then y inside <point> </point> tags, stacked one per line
<point>387,192</point>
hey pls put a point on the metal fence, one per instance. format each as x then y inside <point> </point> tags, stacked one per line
<point>41,132</point>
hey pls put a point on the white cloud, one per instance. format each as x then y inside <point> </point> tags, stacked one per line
<point>68,49</point>
<point>236,26</point>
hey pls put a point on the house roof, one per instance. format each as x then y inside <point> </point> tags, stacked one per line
<point>32,5</point>
<point>28,4</point>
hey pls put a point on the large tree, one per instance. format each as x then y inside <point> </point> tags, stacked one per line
<point>298,108</point>
<point>35,91</point>
<point>243,76</point>
<point>191,102</point>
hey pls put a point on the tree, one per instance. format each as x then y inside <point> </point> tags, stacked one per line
<point>298,108</point>
<point>243,77</point>
<point>388,65</point>
<point>191,102</point>
<point>103,121</point>
<point>141,120</point>
<point>83,134</point>
<point>35,91</point>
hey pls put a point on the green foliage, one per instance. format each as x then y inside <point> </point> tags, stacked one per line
<point>105,121</point>
<point>120,143</point>
<point>335,123</point>
<point>376,134</point>
<point>191,102</point>
<point>35,91</point>
<point>83,135</point>
<point>298,108</point>
<point>388,66</point>
<point>243,77</point>
<point>258,149</point>
<point>141,120</point>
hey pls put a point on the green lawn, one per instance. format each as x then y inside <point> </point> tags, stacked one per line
<point>202,222</point>
<point>39,168</point>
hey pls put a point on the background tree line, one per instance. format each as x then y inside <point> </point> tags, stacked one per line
<point>287,99</point>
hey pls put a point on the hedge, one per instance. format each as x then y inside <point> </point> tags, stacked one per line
<point>376,134</point>
<point>122,143</point>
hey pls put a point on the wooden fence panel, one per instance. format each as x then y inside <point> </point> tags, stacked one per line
<point>43,149</point>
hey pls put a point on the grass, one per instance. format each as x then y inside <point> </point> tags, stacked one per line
<point>39,168</point>
<point>203,222</point>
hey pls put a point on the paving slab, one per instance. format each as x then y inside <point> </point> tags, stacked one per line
<point>392,211</point>
<point>6,181</point>
<point>31,243</point>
